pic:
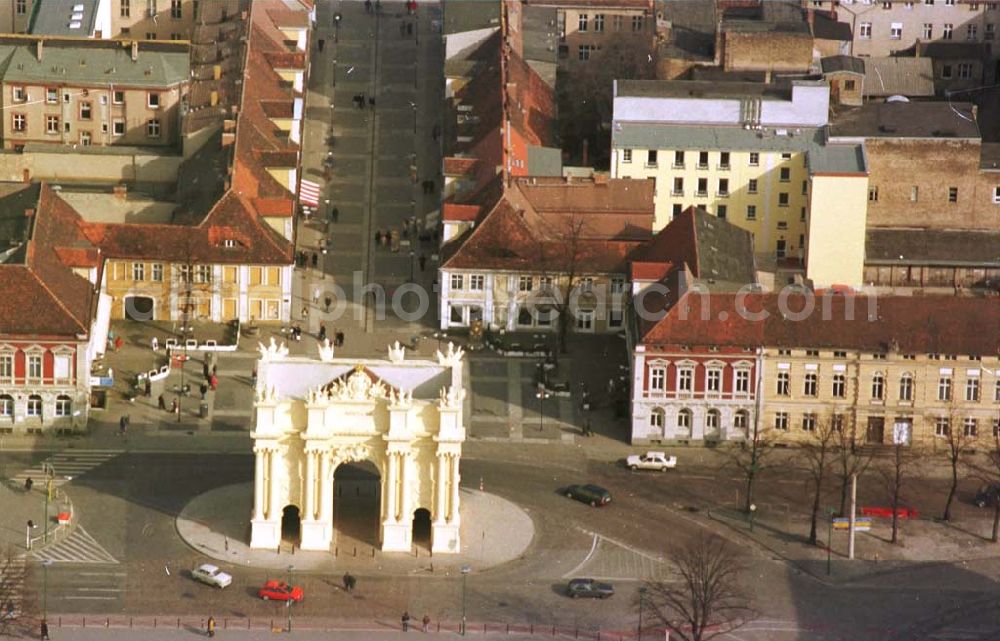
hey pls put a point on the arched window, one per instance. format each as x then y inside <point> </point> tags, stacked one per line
<point>657,418</point>
<point>64,405</point>
<point>684,421</point>
<point>34,405</point>
<point>741,421</point>
<point>712,421</point>
<point>906,387</point>
<point>6,405</point>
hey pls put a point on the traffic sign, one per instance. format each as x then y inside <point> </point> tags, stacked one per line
<point>861,524</point>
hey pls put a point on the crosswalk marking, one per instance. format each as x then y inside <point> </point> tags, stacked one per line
<point>78,547</point>
<point>609,559</point>
<point>67,464</point>
<point>12,575</point>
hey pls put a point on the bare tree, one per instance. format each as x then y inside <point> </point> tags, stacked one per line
<point>850,459</point>
<point>987,468</point>
<point>12,580</point>
<point>707,600</point>
<point>585,95</point>
<point>752,457</point>
<point>956,441</point>
<point>562,254</point>
<point>896,471</point>
<point>818,456</point>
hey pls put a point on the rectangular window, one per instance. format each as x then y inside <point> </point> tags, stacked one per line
<point>599,23</point>
<point>52,96</point>
<point>928,31</point>
<point>61,367</point>
<point>6,367</point>
<point>677,209</point>
<point>138,271</point>
<point>85,110</point>
<point>678,160</point>
<point>702,160</point>
<point>153,100</point>
<point>970,426</point>
<point>125,11</point>
<point>685,380</point>
<point>153,128</point>
<point>723,187</point>
<point>702,187</point>
<point>713,380</point>
<point>784,387</point>
<point>887,5</point>
<point>34,406</point>
<point>946,71</point>
<point>618,22</point>
<point>616,317</point>
<point>524,283</point>
<point>742,384</point>
<point>626,155</point>
<point>157,272</point>
<point>965,70</point>
<point>118,97</point>
<point>118,127</point>
<point>721,211</point>
<point>942,426</point>
<point>457,282</point>
<point>989,31</point>
<point>176,12</point>
<point>34,366</point>
<point>657,379</point>
<point>20,94</point>
<point>784,174</point>
<point>51,124</point>
<point>637,23</point>
<point>953,194</point>
<point>906,388</point>
<point>808,422</point>
<point>581,22</point>
<point>865,31</point>
<point>150,35</point>
<point>21,7</point>
<point>751,212</point>
<point>972,389</point>
<point>947,31</point>
<point>944,389</point>
<point>752,186</point>
<point>724,160</point>
<point>678,187</point>
<point>781,421</point>
<point>878,387</point>
<point>896,31</point>
<point>617,285</point>
<point>19,122</point>
<point>754,159</point>
<point>783,199</point>
<point>810,386</point>
<point>971,31</point>
<point>651,158</point>
<point>477,282</point>
<point>849,85</point>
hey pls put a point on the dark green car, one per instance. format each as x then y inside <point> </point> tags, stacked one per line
<point>594,495</point>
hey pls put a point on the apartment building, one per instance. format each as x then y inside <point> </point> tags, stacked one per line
<point>754,154</point>
<point>716,366</point>
<point>15,15</point>
<point>546,245</point>
<point>886,28</point>
<point>155,19</point>
<point>587,28</point>
<point>104,19</point>
<point>54,320</point>
<point>73,92</point>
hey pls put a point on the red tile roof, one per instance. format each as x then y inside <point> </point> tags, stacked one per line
<point>456,166</point>
<point>454,211</point>
<point>43,296</point>
<point>949,325</point>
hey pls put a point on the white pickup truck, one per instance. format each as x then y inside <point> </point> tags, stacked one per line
<point>651,461</point>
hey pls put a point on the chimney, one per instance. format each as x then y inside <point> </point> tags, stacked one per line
<point>135,50</point>
<point>29,213</point>
<point>120,191</point>
<point>41,47</point>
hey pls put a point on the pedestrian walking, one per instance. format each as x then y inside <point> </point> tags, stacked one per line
<point>347,581</point>
<point>122,425</point>
<point>28,484</point>
<point>149,387</point>
<point>378,6</point>
<point>210,626</point>
<point>204,369</point>
<point>371,101</point>
<point>321,43</point>
<point>119,342</point>
<point>368,6</point>
<point>322,332</point>
<point>215,370</point>
<point>155,342</point>
<point>378,237</point>
<point>175,406</point>
<point>161,402</point>
<point>204,390</point>
<point>45,631</point>
<point>328,301</point>
<point>423,261</point>
<point>305,312</point>
<point>315,295</point>
<point>406,621</point>
<point>253,377</point>
<point>426,621</point>
<point>338,339</point>
<point>334,214</point>
<point>213,382</point>
<point>315,260</point>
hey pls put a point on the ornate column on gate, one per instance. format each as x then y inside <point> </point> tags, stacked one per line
<point>258,484</point>
<point>451,434</point>
<point>317,525</point>
<point>265,527</point>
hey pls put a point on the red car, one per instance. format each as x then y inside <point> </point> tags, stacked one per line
<point>280,591</point>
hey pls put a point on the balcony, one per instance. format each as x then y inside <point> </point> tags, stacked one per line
<point>677,165</point>
<point>723,166</point>
<point>702,166</point>
<point>701,194</point>
<point>722,194</point>
<point>677,193</point>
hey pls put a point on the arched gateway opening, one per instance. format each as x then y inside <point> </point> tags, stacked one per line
<point>291,524</point>
<point>422,528</point>
<point>357,500</point>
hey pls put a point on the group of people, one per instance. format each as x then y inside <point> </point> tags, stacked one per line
<point>428,186</point>
<point>377,6</point>
<point>405,619</point>
<point>361,99</point>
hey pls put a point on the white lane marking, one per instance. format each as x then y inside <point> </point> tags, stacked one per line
<point>593,548</point>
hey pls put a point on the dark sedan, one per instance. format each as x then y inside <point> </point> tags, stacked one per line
<point>589,588</point>
<point>594,495</point>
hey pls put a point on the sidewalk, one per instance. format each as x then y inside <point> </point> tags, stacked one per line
<point>20,506</point>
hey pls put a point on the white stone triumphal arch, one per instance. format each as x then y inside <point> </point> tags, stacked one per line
<point>405,416</point>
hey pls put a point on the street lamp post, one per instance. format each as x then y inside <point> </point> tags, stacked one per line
<point>336,25</point>
<point>541,395</point>
<point>45,588</point>
<point>638,632</point>
<point>465,575</point>
<point>411,265</point>
<point>49,474</point>
<point>288,603</point>
<point>829,539</point>
<point>753,509</point>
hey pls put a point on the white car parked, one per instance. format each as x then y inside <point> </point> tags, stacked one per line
<point>211,575</point>
<point>651,461</point>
